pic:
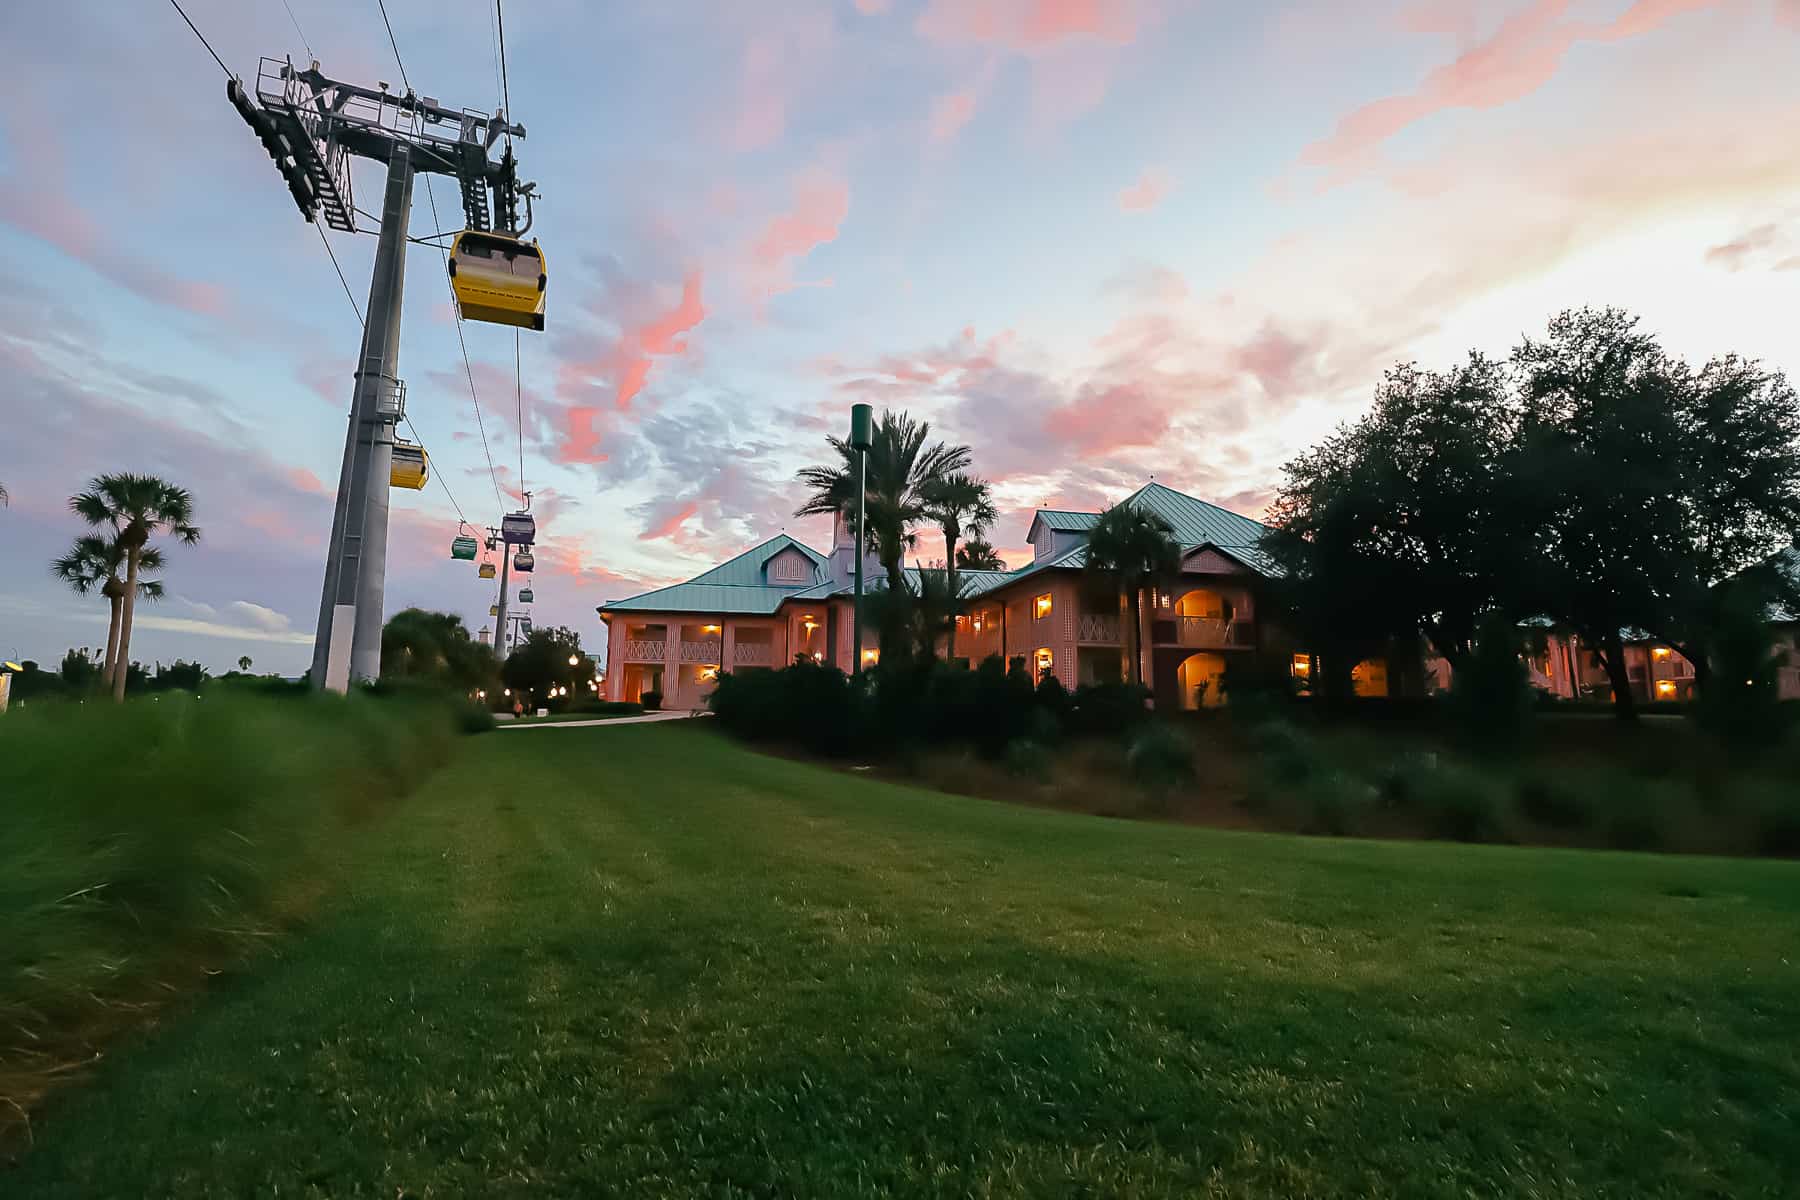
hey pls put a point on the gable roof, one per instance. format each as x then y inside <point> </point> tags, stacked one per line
<point>1060,520</point>
<point>736,585</point>
<point>1195,521</point>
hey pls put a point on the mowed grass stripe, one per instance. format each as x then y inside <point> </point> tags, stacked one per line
<point>642,961</point>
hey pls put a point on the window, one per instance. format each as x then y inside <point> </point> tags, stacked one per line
<point>1045,660</point>
<point>871,657</point>
<point>1042,607</point>
<point>1301,667</point>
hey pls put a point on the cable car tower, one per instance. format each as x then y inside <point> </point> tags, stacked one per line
<point>312,126</point>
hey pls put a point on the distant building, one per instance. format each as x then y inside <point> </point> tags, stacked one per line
<point>783,599</point>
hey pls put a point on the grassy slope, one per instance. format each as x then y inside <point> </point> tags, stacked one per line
<point>640,961</point>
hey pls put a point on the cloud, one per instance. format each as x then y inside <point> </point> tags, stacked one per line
<point>1523,54</point>
<point>667,520</point>
<point>1768,244</point>
<point>950,113</point>
<point>624,367</point>
<point>872,8</point>
<point>821,204</point>
<point>1028,25</point>
<point>1151,188</point>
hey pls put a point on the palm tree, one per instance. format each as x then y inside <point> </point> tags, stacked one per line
<point>4,498</point>
<point>244,664</point>
<point>137,507</point>
<point>92,564</point>
<point>954,501</point>
<point>977,555</point>
<point>901,467</point>
<point>1129,549</point>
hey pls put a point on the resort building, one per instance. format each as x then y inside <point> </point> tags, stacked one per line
<point>783,599</point>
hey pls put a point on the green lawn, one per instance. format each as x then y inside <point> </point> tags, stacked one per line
<point>640,961</point>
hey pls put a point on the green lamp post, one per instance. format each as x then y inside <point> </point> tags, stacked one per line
<point>862,436</point>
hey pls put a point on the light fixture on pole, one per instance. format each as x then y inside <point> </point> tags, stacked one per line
<point>862,436</point>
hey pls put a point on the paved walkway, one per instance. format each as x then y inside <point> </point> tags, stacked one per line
<point>646,719</point>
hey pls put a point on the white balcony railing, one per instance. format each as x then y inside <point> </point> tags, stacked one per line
<point>707,650</point>
<point>1094,627</point>
<point>752,654</point>
<point>642,650</point>
<point>1212,632</point>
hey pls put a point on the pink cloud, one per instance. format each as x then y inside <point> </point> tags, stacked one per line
<point>871,8</point>
<point>305,481</point>
<point>1148,192</point>
<point>821,202</point>
<point>1787,12</point>
<point>669,523</point>
<point>950,114</point>
<point>1028,25</point>
<point>625,366</point>
<point>1521,56</point>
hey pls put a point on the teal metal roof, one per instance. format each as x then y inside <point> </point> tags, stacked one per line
<point>1063,520</point>
<point>1196,522</point>
<point>737,585</point>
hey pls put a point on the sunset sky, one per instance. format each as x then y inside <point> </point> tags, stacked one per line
<point>1097,240</point>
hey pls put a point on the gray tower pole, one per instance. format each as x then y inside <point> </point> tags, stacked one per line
<point>500,625</point>
<point>357,568</point>
<point>328,594</point>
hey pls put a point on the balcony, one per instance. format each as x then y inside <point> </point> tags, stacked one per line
<point>1098,628</point>
<point>1206,633</point>
<point>707,650</point>
<point>643,650</point>
<point>752,654</point>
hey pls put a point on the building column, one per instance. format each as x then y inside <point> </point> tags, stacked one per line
<point>727,643</point>
<point>671,684</point>
<point>615,660</point>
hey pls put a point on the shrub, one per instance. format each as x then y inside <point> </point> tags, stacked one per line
<point>1027,759</point>
<point>1465,807</point>
<point>1778,828</point>
<point>1634,827</point>
<point>1160,759</point>
<point>1491,694</point>
<point>1552,803</point>
<point>1108,709</point>
<point>651,701</point>
<point>1400,783</point>
<point>1334,803</point>
<point>473,718</point>
<point>1287,754</point>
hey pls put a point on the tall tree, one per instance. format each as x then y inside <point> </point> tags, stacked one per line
<point>957,502</point>
<point>1405,510</point>
<point>1599,475</point>
<point>1130,549</point>
<point>541,663</point>
<point>136,508</point>
<point>977,554</point>
<point>93,564</point>
<point>901,466</point>
<point>417,644</point>
<point>1740,497</point>
<point>244,663</point>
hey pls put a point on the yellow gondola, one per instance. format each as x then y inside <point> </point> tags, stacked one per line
<point>498,278</point>
<point>411,466</point>
<point>485,570</point>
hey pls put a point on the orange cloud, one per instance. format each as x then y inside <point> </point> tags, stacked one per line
<point>1520,57</point>
<point>1148,192</point>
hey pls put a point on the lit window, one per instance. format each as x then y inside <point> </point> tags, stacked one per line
<point>1665,688</point>
<point>871,657</point>
<point>1044,659</point>
<point>1661,652</point>
<point>1043,605</point>
<point>976,623</point>
<point>1302,667</point>
<point>709,672</point>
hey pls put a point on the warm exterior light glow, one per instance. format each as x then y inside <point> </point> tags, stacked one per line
<point>506,692</point>
<point>1665,688</point>
<point>818,656</point>
<point>1302,666</point>
<point>1044,658</point>
<point>1043,605</point>
<point>709,629</point>
<point>871,656</point>
<point>976,623</point>
<point>574,659</point>
<point>1661,652</point>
